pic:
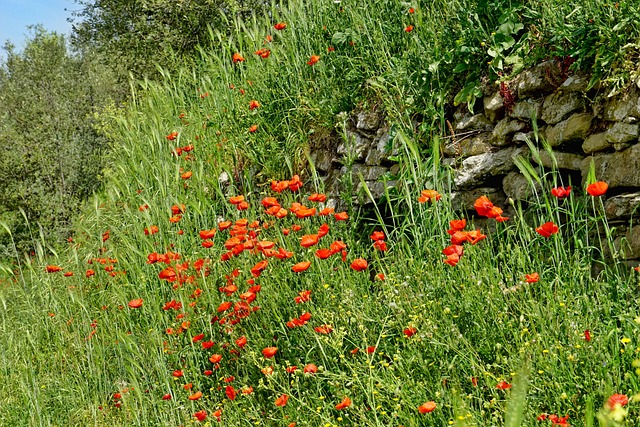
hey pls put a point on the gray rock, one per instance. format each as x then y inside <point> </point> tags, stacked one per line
<point>560,160</point>
<point>323,159</point>
<point>369,173</point>
<point>467,147</point>
<point>575,128</point>
<point>368,121</point>
<point>476,170</point>
<point>627,243</point>
<point>623,206</point>
<point>622,132</point>
<point>517,187</point>
<point>575,84</point>
<point>522,137</point>
<point>503,131</point>
<point>558,105</point>
<point>493,106</point>
<point>527,109</point>
<point>464,200</point>
<point>379,151</point>
<point>357,146</point>
<point>596,142</point>
<point>618,169</point>
<point>377,189</point>
<point>475,122</point>
<point>619,107</point>
<point>536,80</point>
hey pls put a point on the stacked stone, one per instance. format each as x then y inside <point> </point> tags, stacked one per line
<point>483,146</point>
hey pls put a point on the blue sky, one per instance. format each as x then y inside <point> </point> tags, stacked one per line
<point>16,15</point>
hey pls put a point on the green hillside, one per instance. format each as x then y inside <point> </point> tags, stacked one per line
<point>210,284</point>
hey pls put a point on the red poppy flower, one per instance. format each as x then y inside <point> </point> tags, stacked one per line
<point>224,225</point>
<point>282,400</point>
<point>177,373</point>
<point>380,245</point>
<point>313,60</point>
<point>409,332</point>
<point>323,230</point>
<point>338,246</point>
<point>359,264</point>
<point>483,205</point>
<point>547,229</point>
<point>457,225</point>
<point>237,58</point>
<point>310,369</point>
<point>195,396</point>
<point>408,28</point>
<point>411,10</point>
<point>53,269</point>
<point>503,385</point>
<point>230,392</point>
<point>341,216</point>
<point>173,135</point>
<point>257,269</point>
<point>136,303</point>
<point>167,396</point>
<point>561,192</point>
<point>186,175</point>
<point>151,230</point>
<point>241,342</point>
<point>597,188</point>
<point>377,235</point>
<point>253,104</point>
<point>207,234</point>
<point>197,338</point>
<point>280,26</point>
<point>215,358</point>
<point>429,196</point>
<point>269,352</point>
<point>324,253</point>
<point>559,421</point>
<point>200,415</point>
<point>301,266</point>
<point>371,349</point>
<point>587,335</point>
<point>324,329</point>
<point>427,407</point>
<point>346,402</point>
<point>616,400</point>
<point>532,278</point>
<point>309,240</point>
<point>303,296</point>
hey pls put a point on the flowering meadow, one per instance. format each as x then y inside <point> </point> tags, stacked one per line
<point>211,282</point>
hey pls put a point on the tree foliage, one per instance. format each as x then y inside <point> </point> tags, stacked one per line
<point>138,35</point>
<point>52,153</point>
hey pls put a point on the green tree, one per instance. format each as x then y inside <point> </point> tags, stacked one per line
<point>52,153</point>
<point>137,35</point>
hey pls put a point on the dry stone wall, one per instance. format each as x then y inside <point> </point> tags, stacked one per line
<point>582,126</point>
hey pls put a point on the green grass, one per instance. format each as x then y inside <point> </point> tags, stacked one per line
<point>71,343</point>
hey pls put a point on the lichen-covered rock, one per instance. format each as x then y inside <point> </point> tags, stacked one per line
<point>493,106</point>
<point>522,137</point>
<point>620,107</point>
<point>560,160</point>
<point>368,173</point>
<point>627,243</point>
<point>476,170</point>
<point>575,128</point>
<point>504,130</point>
<point>558,105</point>
<point>472,146</point>
<point>622,206</point>
<point>464,200</point>
<point>517,187</point>
<point>527,109</point>
<point>621,133</point>
<point>618,169</point>
<point>537,80</point>
<point>575,84</point>
<point>357,146</point>
<point>379,151</point>
<point>475,122</point>
<point>596,142</point>
<point>368,121</point>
